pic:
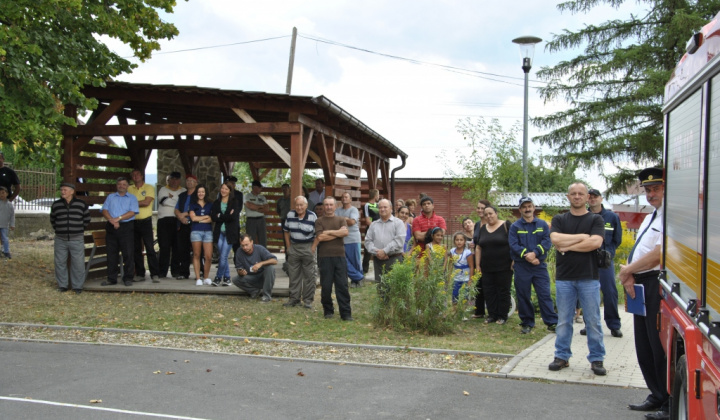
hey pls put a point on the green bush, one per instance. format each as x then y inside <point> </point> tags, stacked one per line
<point>416,295</point>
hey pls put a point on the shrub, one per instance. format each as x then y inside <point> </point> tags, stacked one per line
<point>417,295</point>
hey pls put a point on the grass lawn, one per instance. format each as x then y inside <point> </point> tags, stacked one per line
<point>28,295</point>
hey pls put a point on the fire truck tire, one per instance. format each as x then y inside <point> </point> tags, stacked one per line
<point>679,406</point>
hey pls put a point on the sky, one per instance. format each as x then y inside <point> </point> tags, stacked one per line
<point>414,106</point>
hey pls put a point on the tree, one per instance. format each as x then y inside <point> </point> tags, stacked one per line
<point>50,49</point>
<point>615,87</point>
<point>495,162</point>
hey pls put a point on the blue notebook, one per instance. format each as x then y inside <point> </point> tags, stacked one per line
<point>636,306</point>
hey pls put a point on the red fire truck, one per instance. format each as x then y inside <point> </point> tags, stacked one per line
<point>689,318</point>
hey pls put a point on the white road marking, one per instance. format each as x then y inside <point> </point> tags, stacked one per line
<point>90,407</point>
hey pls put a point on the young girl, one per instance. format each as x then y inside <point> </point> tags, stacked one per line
<point>434,237</point>
<point>225,214</point>
<point>462,264</point>
<point>201,235</point>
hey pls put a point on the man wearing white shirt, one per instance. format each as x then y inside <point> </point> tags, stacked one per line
<point>644,268</point>
<point>318,194</point>
<point>169,258</point>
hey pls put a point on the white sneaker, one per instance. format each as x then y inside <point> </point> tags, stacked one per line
<point>198,282</point>
<point>208,282</point>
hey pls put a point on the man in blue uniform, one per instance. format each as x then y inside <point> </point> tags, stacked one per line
<point>529,239</point>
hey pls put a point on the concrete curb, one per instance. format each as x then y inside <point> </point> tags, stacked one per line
<point>517,359</point>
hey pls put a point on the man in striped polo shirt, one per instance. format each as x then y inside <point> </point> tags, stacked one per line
<point>299,230</point>
<point>69,217</point>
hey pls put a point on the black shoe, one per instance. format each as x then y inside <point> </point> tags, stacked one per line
<point>226,281</point>
<point>490,320</point>
<point>616,333</point>
<point>291,304</point>
<point>658,415</point>
<point>138,279</point>
<point>181,278</point>
<point>328,316</point>
<point>646,405</point>
<point>265,299</point>
<point>558,364</point>
<point>77,291</point>
<point>597,368</point>
<point>128,283</point>
<point>108,283</point>
<point>347,318</point>
<point>552,327</point>
<point>526,329</point>
<point>216,282</point>
<point>62,289</point>
<point>583,331</point>
<point>155,278</point>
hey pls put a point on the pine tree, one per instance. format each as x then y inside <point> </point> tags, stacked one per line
<point>615,87</point>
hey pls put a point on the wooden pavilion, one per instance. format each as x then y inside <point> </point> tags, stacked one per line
<point>267,130</point>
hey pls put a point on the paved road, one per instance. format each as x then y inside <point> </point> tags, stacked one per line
<point>218,386</point>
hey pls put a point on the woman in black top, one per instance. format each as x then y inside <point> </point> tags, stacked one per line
<point>496,266</point>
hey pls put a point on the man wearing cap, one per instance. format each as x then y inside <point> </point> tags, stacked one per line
<point>256,206</point>
<point>9,179</point>
<point>167,226</point>
<point>426,221</point>
<point>643,267</point>
<point>182,214</point>
<point>143,234</point>
<point>529,239</point>
<point>119,210</point>
<point>613,238</point>
<point>69,217</point>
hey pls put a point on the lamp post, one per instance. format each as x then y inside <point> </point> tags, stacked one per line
<point>527,51</point>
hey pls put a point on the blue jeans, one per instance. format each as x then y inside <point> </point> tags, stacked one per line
<point>223,268</point>
<point>567,294</point>
<point>354,265</point>
<point>5,240</point>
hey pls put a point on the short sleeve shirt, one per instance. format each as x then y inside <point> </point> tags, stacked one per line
<point>259,254</point>
<point>117,205</point>
<point>141,193</point>
<point>423,223</point>
<point>577,265</point>
<point>351,213</point>
<point>335,247</point>
<point>652,237</point>
<point>259,199</point>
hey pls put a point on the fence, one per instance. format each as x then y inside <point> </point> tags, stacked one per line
<point>38,189</point>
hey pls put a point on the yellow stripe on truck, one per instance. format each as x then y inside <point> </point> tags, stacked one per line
<point>683,262</point>
<point>713,284</point>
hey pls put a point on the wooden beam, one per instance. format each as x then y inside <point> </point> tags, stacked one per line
<point>321,128</point>
<point>203,129</point>
<point>284,155</point>
<point>349,160</point>
<point>355,172</point>
<point>346,182</point>
<point>98,119</point>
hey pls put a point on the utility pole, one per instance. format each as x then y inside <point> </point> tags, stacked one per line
<point>288,87</point>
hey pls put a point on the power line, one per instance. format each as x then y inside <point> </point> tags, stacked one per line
<point>218,46</point>
<point>453,69</point>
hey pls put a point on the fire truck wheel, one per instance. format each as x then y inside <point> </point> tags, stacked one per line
<point>679,406</point>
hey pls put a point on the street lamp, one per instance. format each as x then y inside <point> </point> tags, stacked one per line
<point>527,51</point>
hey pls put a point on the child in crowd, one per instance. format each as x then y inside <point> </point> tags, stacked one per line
<point>462,261</point>
<point>7,221</point>
<point>434,237</point>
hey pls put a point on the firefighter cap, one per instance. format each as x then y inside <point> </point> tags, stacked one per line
<point>651,176</point>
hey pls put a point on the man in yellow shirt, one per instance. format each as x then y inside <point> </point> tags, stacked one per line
<point>143,232</point>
